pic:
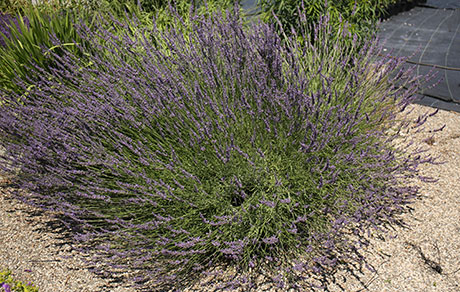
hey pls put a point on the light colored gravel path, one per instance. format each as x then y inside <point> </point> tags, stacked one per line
<point>406,260</point>
<point>32,252</point>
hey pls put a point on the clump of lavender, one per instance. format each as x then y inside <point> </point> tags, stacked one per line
<point>215,146</point>
<point>6,21</point>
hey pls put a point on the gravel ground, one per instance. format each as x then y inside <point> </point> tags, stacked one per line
<point>425,256</point>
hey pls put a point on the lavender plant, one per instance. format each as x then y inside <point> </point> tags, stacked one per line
<point>6,21</point>
<point>222,147</point>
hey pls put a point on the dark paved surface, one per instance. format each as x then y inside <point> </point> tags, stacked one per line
<point>430,36</point>
<point>443,3</point>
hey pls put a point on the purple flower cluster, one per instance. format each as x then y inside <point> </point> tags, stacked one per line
<point>180,150</point>
<point>6,21</point>
<point>6,287</point>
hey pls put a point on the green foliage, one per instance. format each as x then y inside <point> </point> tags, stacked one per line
<point>360,14</point>
<point>165,18</point>
<point>13,6</point>
<point>28,40</point>
<point>17,6</point>
<point>16,286</point>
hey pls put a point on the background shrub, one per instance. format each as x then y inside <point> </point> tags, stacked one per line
<point>17,6</point>
<point>223,146</point>
<point>12,6</point>
<point>360,15</point>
